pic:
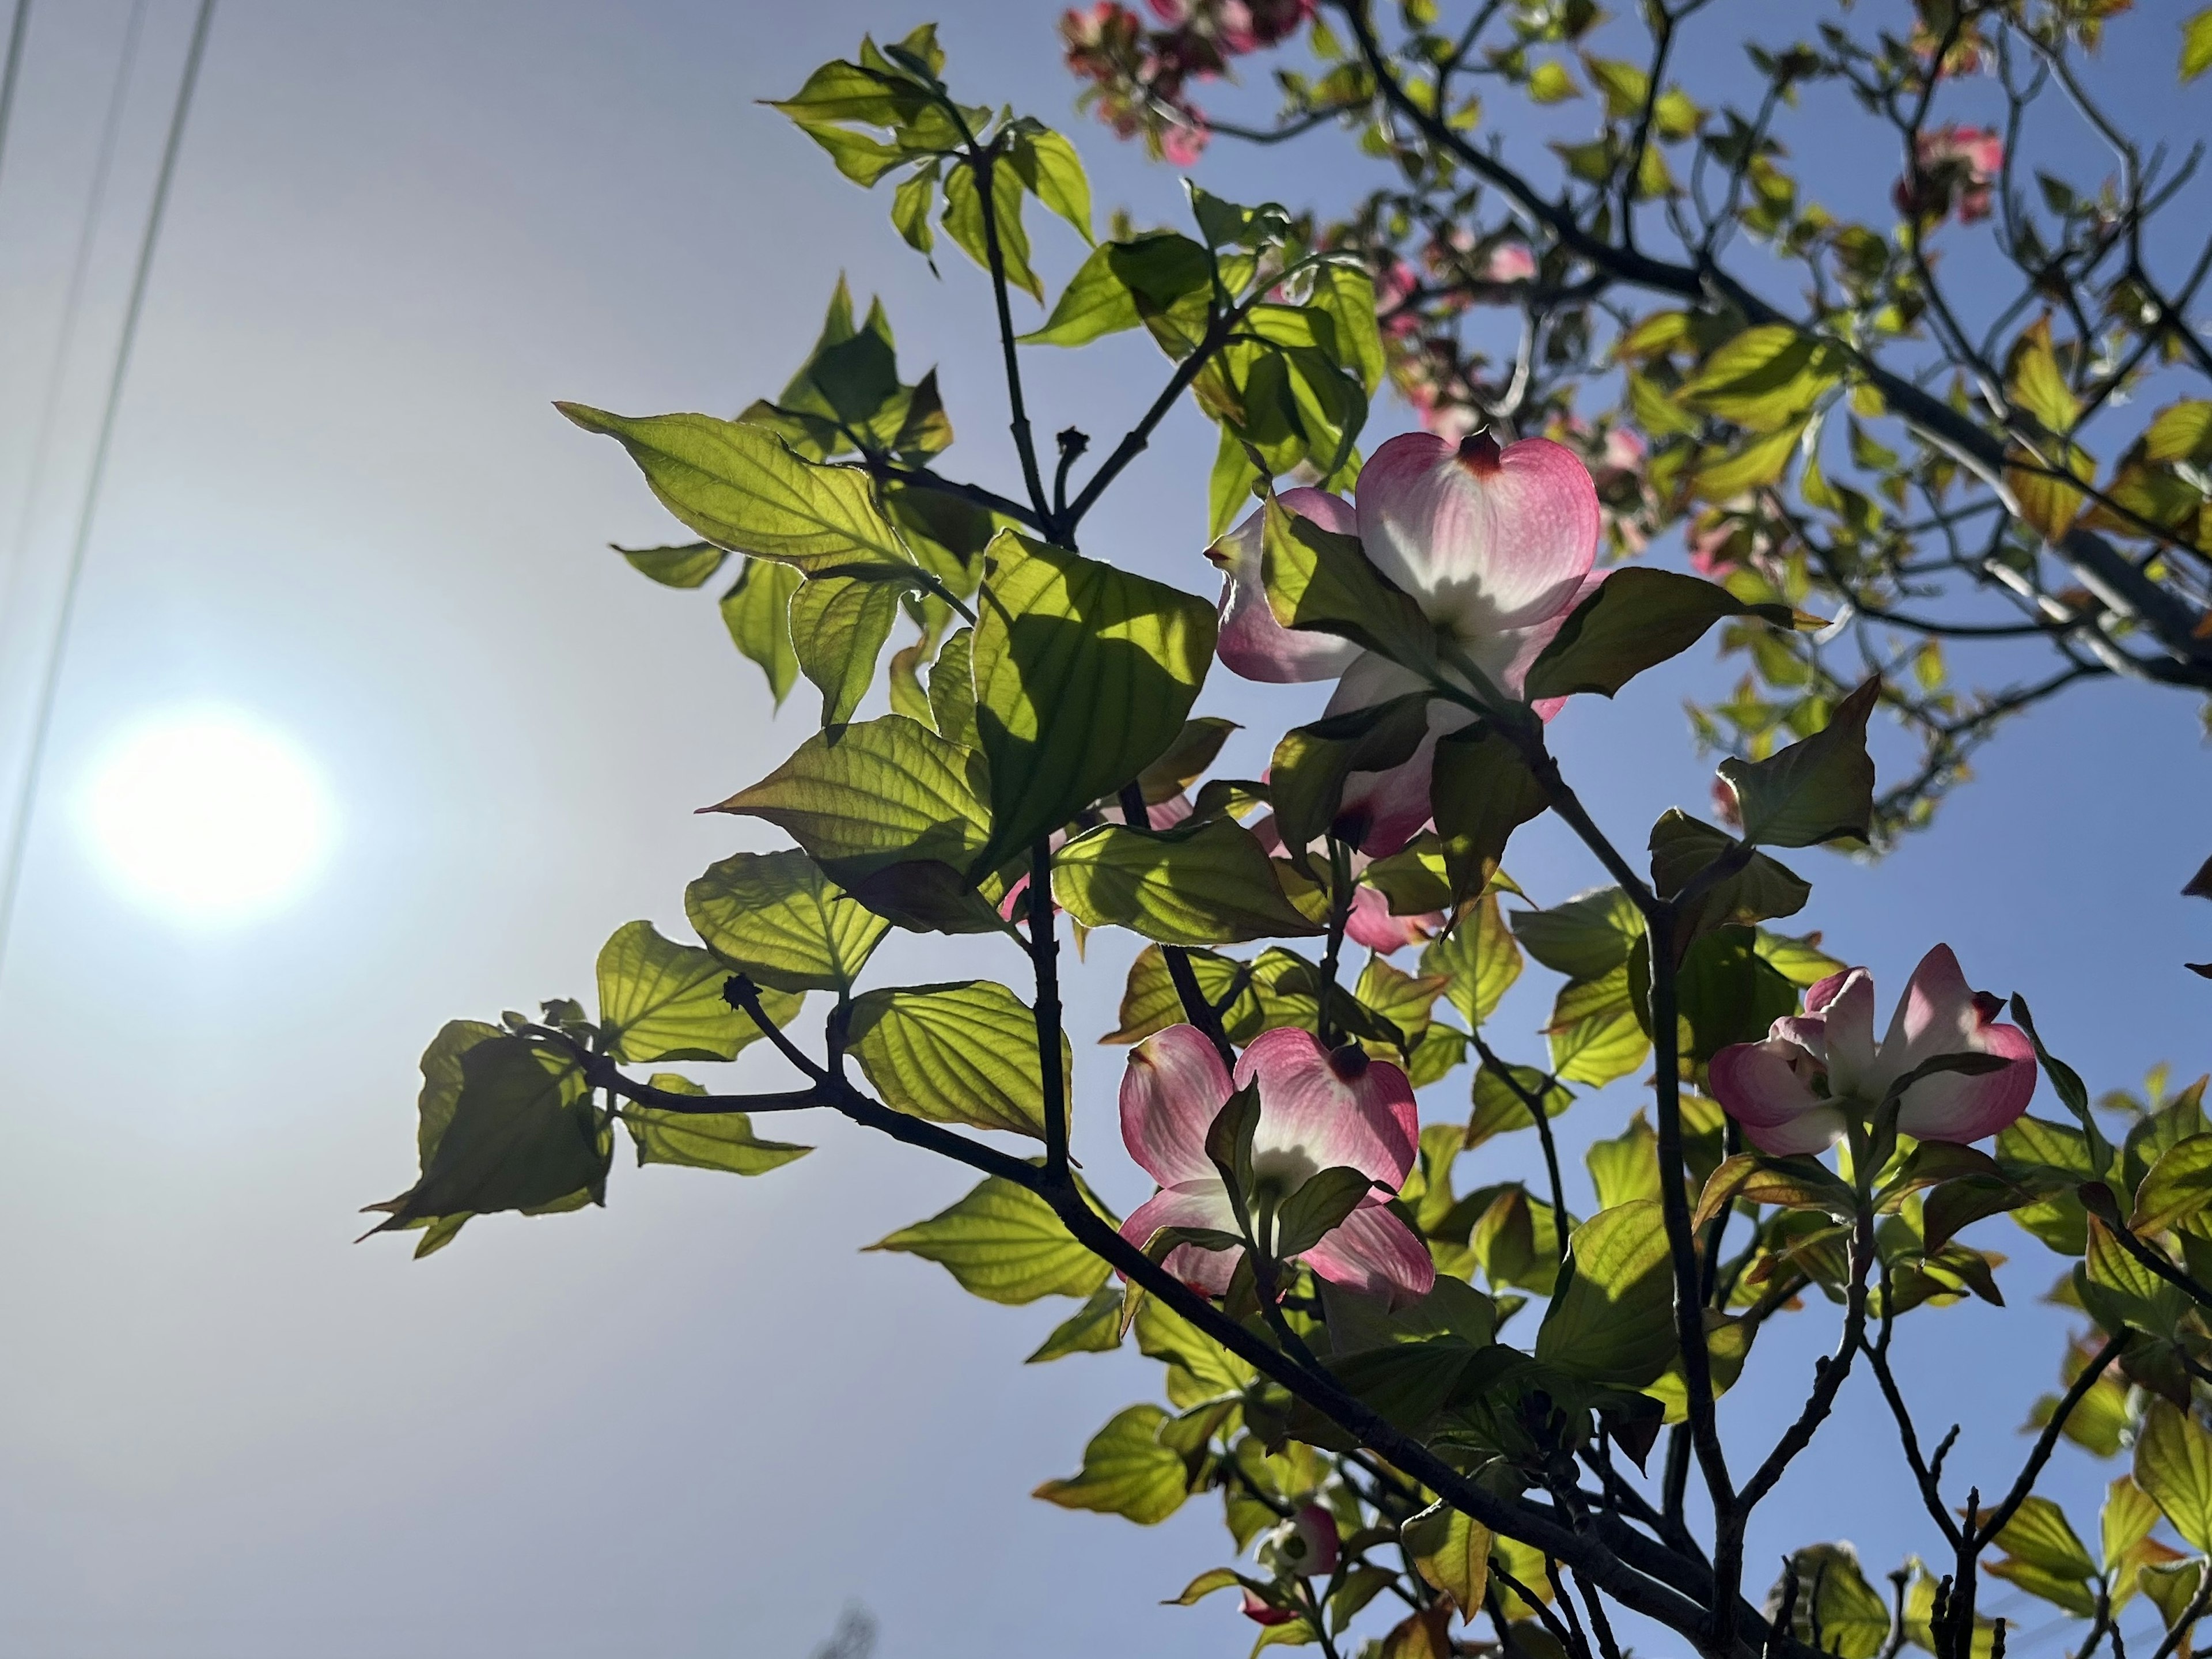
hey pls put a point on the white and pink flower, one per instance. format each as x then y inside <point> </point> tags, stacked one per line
<point>1497,547</point>
<point>1318,1110</point>
<point>1816,1073</point>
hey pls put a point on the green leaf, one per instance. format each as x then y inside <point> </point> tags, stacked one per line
<point>1638,617</point>
<point>1586,937</point>
<point>838,627</point>
<point>1203,882</point>
<point>952,689</point>
<point>1452,1552</point>
<point>702,1140</point>
<point>741,487</point>
<point>965,1052</point>
<point>1596,1030</point>
<point>1084,674</point>
<point>692,565</point>
<point>1151,1003</point>
<point>1613,1319</point>
<point>1762,890</point>
<point>1482,791</point>
<point>1185,760</point>
<point>1312,764</point>
<point>514,1129</point>
<point>862,797</point>
<point>911,203</point>
<point>1550,83</point>
<point>2178,1187</point>
<point>757,611</point>
<point>1723,474</point>
<point>2040,1534</point>
<point>661,1000</point>
<point>1002,1243</point>
<point>2196,44</point>
<point>1322,581</point>
<point>1788,1183</point>
<point>778,919</point>
<point>1053,173</point>
<point>1820,789</point>
<point>964,222</point>
<point>2172,1586</point>
<point>1500,1108</point>
<point>1764,378</point>
<point>1727,991</point>
<point>1835,1602</point>
<point>1626,1168</point>
<point>1123,284</point>
<point>2173,1464</point>
<point>1095,1327</point>
<point>1126,1471</point>
<point>1318,1207</point>
<point>1478,958</point>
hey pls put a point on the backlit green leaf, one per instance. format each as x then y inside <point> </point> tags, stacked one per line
<point>702,1140</point>
<point>1126,1471</point>
<point>1816,790</point>
<point>1765,378</point>
<point>965,1052</point>
<point>741,487</point>
<point>1452,1552</point>
<point>862,797</point>
<point>1002,1243</point>
<point>517,1131</point>
<point>692,565</point>
<point>661,1000</point>
<point>757,612</point>
<point>964,222</point>
<point>1477,957</point>
<point>1586,937</point>
<point>2173,1464</point>
<point>1084,674</point>
<point>1613,1319</point>
<point>1482,791</point>
<point>1322,581</point>
<point>838,627</point>
<point>1312,764</point>
<point>1638,617</point>
<point>1053,173</point>
<point>1207,882</point>
<point>1095,1327</point>
<point>2178,1187</point>
<point>777,919</point>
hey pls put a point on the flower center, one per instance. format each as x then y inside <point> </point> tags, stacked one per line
<point>1478,453</point>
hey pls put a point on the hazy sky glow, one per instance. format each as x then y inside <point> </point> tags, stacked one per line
<point>697,1423</point>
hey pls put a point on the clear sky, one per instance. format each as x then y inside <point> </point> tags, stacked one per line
<point>698,1422</point>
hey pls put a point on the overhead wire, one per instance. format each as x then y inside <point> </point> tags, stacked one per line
<point>12,71</point>
<point>72,582</point>
<point>73,296</point>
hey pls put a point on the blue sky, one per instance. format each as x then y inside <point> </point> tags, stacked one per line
<point>698,1422</point>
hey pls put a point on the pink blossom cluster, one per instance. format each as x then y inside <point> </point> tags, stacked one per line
<point>1139,75</point>
<point>1954,170</point>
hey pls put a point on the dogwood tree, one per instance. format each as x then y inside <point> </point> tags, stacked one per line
<point>1438,1412</point>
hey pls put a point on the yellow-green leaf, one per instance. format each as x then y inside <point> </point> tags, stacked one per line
<point>1126,1471</point>
<point>962,1053</point>
<point>1002,1243</point>
<point>777,919</point>
<point>702,1140</point>
<point>662,1001</point>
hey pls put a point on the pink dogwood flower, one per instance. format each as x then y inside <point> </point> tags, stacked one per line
<point>1306,1546</point>
<point>1817,1073</point>
<point>1953,167</point>
<point>1496,545</point>
<point>1318,1110</point>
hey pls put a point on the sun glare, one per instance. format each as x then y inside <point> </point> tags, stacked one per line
<point>207,815</point>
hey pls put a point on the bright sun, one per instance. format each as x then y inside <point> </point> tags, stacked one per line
<point>207,815</point>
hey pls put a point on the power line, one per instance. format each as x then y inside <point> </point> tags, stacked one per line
<point>80,269</point>
<point>42,726</point>
<point>14,65</point>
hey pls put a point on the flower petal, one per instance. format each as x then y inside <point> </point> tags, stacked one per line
<point>1371,1251</point>
<point>1757,1084</point>
<point>1936,1015</point>
<point>1197,1204</point>
<point>1394,803</point>
<point>1171,1091</point>
<point>1372,923</point>
<point>1320,1109</point>
<point>1484,539</point>
<point>1251,641</point>
<point>1952,1106</point>
<point>1847,1026</point>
